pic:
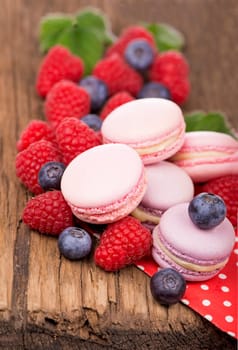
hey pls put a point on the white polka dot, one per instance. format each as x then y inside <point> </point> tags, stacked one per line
<point>208,317</point>
<point>227,303</point>
<point>185,301</point>
<point>231,334</point>
<point>229,319</point>
<point>204,286</point>
<point>222,276</point>
<point>225,289</point>
<point>236,239</point>
<point>206,302</point>
<point>237,263</point>
<point>141,267</point>
<point>236,251</point>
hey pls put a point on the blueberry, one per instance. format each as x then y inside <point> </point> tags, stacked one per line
<point>139,54</point>
<point>50,174</point>
<point>74,243</point>
<point>97,91</point>
<point>93,121</point>
<point>153,89</point>
<point>167,286</point>
<point>207,210</point>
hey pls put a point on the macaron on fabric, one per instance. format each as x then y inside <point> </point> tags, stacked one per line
<point>154,127</point>
<point>167,185</point>
<point>206,155</point>
<point>104,183</point>
<point>197,254</point>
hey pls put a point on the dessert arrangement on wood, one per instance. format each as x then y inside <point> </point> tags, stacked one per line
<point>117,158</point>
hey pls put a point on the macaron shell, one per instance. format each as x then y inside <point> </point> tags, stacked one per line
<point>177,233</point>
<point>167,185</point>
<point>205,155</point>
<point>114,211</point>
<point>142,121</point>
<point>210,170</point>
<point>101,176</point>
<point>154,127</point>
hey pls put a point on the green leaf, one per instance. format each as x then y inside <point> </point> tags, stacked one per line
<point>166,36</point>
<point>86,35</point>
<point>91,18</point>
<point>51,28</point>
<point>94,19</point>
<point>211,121</point>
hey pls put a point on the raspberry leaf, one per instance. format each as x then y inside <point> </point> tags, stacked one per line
<point>166,36</point>
<point>51,28</point>
<point>211,121</point>
<point>93,18</point>
<point>86,34</point>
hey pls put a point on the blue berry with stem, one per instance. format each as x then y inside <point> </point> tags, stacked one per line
<point>207,210</point>
<point>49,176</point>
<point>139,54</point>
<point>93,121</point>
<point>167,286</point>
<point>74,243</point>
<point>154,89</point>
<point>97,91</point>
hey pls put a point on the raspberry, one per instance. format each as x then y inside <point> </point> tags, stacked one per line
<point>36,130</point>
<point>30,160</point>
<point>74,137</point>
<point>66,99</point>
<point>115,101</point>
<point>48,213</point>
<point>171,69</point>
<point>58,64</point>
<point>127,35</point>
<point>123,243</point>
<point>227,188</point>
<point>178,87</point>
<point>118,75</point>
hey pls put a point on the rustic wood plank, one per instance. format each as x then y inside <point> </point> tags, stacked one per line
<point>47,302</point>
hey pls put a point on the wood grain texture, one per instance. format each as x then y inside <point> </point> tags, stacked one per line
<point>47,302</point>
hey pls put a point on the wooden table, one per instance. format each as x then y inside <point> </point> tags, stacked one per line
<point>47,302</point>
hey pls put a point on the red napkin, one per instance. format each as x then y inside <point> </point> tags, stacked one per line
<point>214,299</point>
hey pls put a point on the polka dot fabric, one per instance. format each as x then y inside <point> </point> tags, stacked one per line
<point>214,299</point>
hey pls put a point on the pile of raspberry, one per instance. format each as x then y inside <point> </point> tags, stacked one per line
<point>74,108</point>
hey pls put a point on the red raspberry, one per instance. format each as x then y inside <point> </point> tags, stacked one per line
<point>36,130</point>
<point>171,69</point>
<point>127,35</point>
<point>66,99</point>
<point>123,243</point>
<point>178,87</point>
<point>115,101</point>
<point>48,213</point>
<point>74,137</point>
<point>118,75</point>
<point>169,63</point>
<point>30,160</point>
<point>58,64</point>
<point>227,188</point>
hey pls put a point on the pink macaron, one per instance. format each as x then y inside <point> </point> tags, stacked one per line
<point>197,254</point>
<point>207,154</point>
<point>154,127</point>
<point>167,185</point>
<point>104,183</point>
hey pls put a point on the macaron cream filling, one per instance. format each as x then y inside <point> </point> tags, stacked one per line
<point>147,215</point>
<point>192,155</point>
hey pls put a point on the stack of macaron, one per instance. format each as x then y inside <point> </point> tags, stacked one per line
<point>147,167</point>
<point>108,182</point>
